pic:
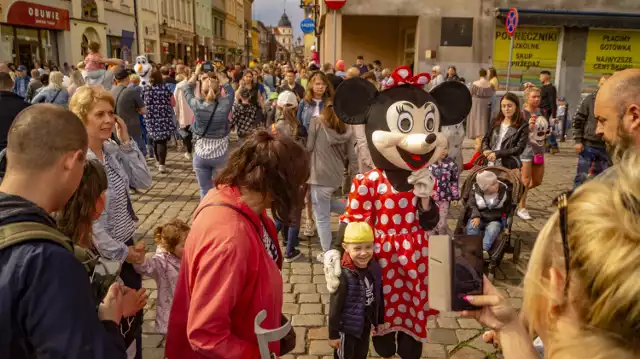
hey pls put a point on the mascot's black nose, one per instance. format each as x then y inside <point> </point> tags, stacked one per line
<point>431,138</point>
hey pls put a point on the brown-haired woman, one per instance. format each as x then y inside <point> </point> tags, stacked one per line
<point>508,136</point>
<point>159,118</point>
<point>330,142</point>
<point>319,91</point>
<point>231,260</point>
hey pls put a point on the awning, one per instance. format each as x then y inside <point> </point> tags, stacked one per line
<point>570,18</point>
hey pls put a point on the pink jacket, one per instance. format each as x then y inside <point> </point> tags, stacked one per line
<point>164,268</point>
<point>226,278</point>
<point>184,114</point>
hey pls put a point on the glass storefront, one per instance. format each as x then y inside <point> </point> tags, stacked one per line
<point>28,46</point>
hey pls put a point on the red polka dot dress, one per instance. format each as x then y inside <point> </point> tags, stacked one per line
<point>401,248</point>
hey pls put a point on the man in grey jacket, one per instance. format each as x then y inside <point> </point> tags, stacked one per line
<point>617,112</point>
<point>592,154</point>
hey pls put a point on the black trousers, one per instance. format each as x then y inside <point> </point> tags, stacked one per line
<point>352,347</point>
<point>187,141</point>
<point>397,342</point>
<point>132,327</point>
<point>160,151</point>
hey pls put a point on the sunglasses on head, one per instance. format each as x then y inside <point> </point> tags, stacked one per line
<point>562,203</point>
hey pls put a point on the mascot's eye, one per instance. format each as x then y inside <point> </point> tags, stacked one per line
<point>430,121</point>
<point>405,122</point>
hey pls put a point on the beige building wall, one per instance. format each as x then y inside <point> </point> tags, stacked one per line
<point>148,29</point>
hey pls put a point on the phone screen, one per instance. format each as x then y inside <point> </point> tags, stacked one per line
<point>468,266</point>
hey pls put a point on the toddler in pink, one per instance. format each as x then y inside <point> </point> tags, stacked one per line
<point>164,267</point>
<point>94,60</point>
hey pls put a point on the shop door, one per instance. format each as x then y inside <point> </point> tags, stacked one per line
<point>26,53</point>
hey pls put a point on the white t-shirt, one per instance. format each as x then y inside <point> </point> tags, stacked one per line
<point>316,109</point>
<point>498,146</point>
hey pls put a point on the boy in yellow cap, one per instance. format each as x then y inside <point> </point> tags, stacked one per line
<point>357,305</point>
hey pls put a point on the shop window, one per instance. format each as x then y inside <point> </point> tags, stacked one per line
<point>456,31</point>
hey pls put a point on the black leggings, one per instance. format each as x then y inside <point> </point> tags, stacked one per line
<point>132,327</point>
<point>187,141</point>
<point>160,151</point>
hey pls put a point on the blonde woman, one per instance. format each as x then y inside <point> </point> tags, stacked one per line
<point>54,92</point>
<point>126,168</point>
<point>581,289</point>
<point>76,80</point>
<point>533,156</point>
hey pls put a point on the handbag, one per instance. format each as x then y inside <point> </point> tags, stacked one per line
<point>184,133</point>
<point>538,159</point>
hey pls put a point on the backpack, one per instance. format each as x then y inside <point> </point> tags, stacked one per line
<point>102,273</point>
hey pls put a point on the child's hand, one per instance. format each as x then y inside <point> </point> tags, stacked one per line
<point>334,343</point>
<point>475,222</point>
<point>139,246</point>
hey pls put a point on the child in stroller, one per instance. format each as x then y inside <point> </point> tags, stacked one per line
<point>489,202</point>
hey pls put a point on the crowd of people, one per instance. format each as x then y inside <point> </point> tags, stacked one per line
<point>292,139</point>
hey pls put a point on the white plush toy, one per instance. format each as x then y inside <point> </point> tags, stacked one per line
<point>143,69</point>
<point>332,269</point>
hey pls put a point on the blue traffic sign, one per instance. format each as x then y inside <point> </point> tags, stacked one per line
<point>307,25</point>
<point>511,22</point>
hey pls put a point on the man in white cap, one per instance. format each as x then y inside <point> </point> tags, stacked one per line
<point>489,202</point>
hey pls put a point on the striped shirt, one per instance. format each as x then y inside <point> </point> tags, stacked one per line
<point>120,225</point>
<point>210,148</point>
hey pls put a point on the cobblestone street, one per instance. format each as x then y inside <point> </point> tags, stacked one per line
<point>306,297</point>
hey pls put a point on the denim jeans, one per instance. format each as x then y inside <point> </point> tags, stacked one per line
<point>291,234</point>
<point>491,232</point>
<point>591,162</point>
<point>323,205</point>
<point>205,170</point>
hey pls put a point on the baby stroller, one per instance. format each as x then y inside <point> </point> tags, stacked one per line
<point>514,184</point>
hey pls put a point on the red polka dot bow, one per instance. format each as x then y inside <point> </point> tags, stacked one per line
<point>403,76</point>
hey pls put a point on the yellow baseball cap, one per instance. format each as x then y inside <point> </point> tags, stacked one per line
<point>358,232</point>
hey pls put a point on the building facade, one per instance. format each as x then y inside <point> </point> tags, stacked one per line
<point>575,40</point>
<point>231,31</point>
<point>255,41</point>
<point>263,41</point>
<point>218,16</point>
<point>177,30</point>
<point>204,29</point>
<point>248,33</point>
<point>148,29</point>
<point>121,30</point>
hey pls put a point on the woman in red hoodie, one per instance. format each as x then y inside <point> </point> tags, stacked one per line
<point>231,264</point>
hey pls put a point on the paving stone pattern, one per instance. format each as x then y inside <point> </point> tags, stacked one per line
<point>176,194</point>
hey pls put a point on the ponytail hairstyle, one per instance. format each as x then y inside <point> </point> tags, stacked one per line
<point>289,116</point>
<point>77,215</point>
<point>601,302</point>
<point>170,234</point>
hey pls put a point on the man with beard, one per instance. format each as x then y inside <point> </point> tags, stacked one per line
<point>617,110</point>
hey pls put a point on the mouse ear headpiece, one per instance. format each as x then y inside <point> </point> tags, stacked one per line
<point>403,76</point>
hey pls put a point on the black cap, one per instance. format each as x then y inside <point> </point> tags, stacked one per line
<point>121,73</point>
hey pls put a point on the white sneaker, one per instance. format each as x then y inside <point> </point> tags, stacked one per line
<point>524,214</point>
<point>162,168</point>
<point>320,257</point>
<point>187,155</point>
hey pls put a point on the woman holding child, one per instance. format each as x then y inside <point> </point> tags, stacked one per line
<point>125,167</point>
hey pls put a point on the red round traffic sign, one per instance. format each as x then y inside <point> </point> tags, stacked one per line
<point>335,4</point>
<point>511,22</point>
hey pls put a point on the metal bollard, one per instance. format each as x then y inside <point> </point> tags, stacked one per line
<point>265,336</point>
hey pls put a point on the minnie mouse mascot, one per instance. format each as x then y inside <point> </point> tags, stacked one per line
<point>403,128</point>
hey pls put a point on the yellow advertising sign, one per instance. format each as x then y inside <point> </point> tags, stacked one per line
<point>612,50</point>
<point>534,47</point>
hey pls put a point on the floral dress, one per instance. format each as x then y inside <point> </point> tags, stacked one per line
<point>401,247</point>
<point>159,119</point>
<point>445,172</point>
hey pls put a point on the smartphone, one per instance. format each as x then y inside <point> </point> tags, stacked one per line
<point>467,271</point>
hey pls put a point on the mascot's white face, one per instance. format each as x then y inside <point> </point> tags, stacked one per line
<point>540,131</point>
<point>143,69</point>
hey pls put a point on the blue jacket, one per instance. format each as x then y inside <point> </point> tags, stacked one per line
<point>50,95</point>
<point>347,309</point>
<point>202,110</point>
<point>47,308</point>
<point>305,112</point>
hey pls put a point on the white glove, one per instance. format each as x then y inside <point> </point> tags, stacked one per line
<point>422,181</point>
<point>332,269</point>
